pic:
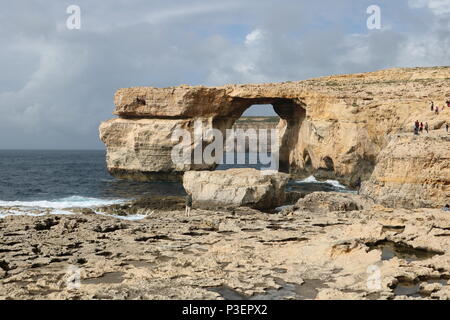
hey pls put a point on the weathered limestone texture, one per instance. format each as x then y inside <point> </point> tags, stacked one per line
<point>412,172</point>
<point>332,201</point>
<point>236,188</point>
<point>291,255</point>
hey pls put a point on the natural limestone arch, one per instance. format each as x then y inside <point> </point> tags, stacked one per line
<point>291,115</point>
<point>139,146</point>
<point>341,122</point>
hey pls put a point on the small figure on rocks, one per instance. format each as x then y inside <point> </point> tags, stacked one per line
<point>358,184</point>
<point>188,205</point>
<point>432,105</point>
<point>446,127</point>
<point>426,126</point>
<point>421,127</point>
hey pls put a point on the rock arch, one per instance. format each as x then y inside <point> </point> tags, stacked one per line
<point>291,115</point>
<point>335,119</point>
<point>139,143</point>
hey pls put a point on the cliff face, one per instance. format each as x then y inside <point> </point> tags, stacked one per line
<point>140,149</point>
<point>412,172</point>
<point>332,126</point>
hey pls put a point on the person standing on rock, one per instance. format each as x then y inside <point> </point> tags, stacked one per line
<point>426,126</point>
<point>188,205</point>
<point>432,105</point>
<point>446,127</point>
<point>421,127</point>
<point>358,184</point>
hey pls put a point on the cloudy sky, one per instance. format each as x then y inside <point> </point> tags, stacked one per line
<point>57,84</point>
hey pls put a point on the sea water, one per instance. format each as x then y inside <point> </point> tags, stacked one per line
<point>57,180</point>
<point>52,181</point>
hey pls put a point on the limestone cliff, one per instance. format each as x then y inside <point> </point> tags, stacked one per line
<point>412,172</point>
<point>332,126</point>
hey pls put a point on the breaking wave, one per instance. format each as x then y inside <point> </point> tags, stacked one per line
<point>63,203</point>
<point>312,179</point>
<point>56,206</point>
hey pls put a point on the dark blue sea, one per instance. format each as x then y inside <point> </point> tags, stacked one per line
<point>67,179</point>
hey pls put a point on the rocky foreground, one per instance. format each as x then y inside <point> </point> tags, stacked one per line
<point>341,247</point>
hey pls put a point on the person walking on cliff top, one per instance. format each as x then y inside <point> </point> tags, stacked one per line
<point>416,127</point>
<point>188,205</point>
<point>426,126</point>
<point>421,127</point>
<point>432,105</point>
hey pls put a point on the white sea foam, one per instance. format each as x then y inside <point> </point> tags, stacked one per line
<point>17,212</point>
<point>133,217</point>
<point>57,206</point>
<point>69,202</point>
<point>336,184</point>
<point>312,179</point>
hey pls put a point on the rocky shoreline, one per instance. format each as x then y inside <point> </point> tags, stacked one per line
<point>345,249</point>
<point>255,234</point>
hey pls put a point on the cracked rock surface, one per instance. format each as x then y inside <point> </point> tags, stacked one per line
<point>373,253</point>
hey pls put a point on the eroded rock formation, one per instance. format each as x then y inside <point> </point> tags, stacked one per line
<point>236,188</point>
<point>332,201</point>
<point>332,126</point>
<point>412,172</point>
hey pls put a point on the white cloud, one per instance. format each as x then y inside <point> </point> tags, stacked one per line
<point>254,37</point>
<point>438,7</point>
